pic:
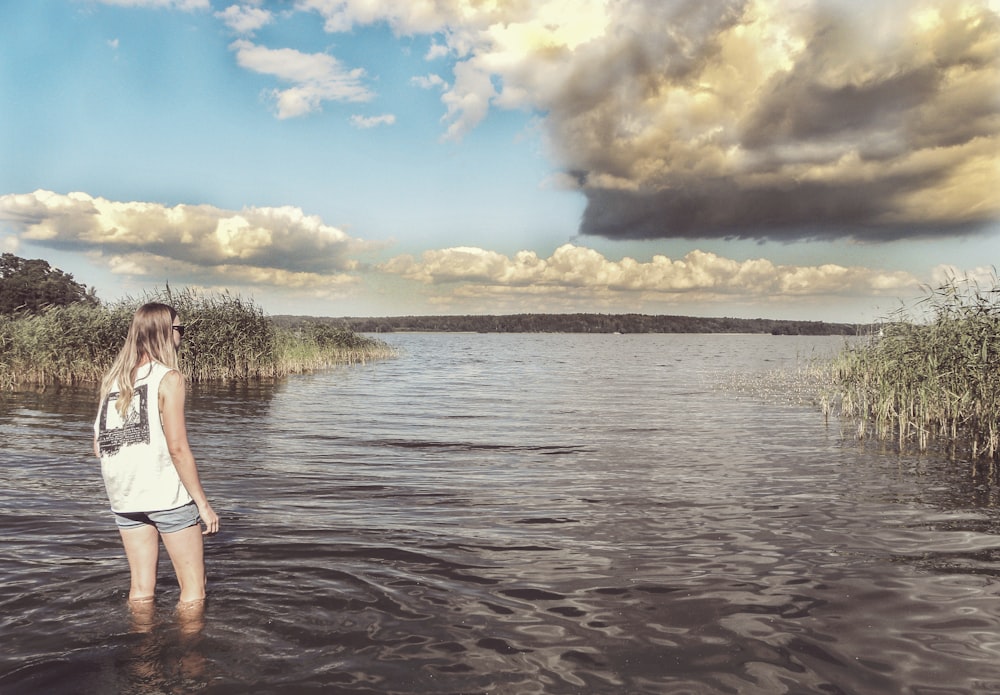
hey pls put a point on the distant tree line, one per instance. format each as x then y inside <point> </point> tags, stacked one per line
<point>578,323</point>
<point>28,286</point>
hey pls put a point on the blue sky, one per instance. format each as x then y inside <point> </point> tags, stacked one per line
<point>803,159</point>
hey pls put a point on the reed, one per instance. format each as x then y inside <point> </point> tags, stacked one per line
<point>932,379</point>
<point>226,338</point>
<point>318,346</point>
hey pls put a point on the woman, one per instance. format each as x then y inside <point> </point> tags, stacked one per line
<point>149,471</point>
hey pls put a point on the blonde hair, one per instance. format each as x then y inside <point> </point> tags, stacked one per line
<point>150,336</point>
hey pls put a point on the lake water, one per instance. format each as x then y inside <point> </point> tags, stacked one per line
<point>512,514</point>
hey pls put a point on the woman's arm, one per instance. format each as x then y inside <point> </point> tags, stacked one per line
<point>171,398</point>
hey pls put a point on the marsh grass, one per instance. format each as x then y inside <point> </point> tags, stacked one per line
<point>226,338</point>
<point>936,380</point>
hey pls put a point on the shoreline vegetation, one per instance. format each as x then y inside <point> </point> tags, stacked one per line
<point>227,338</point>
<point>576,323</point>
<point>928,381</point>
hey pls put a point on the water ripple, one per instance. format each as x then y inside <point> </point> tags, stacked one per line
<point>559,514</point>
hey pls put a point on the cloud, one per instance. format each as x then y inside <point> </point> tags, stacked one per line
<point>983,276</point>
<point>429,82</point>
<point>149,266</point>
<point>436,51</point>
<point>766,119</point>
<point>576,269</point>
<point>279,246</point>
<point>372,121</point>
<point>245,20</point>
<point>316,77</point>
<point>403,17</point>
<point>184,5</point>
<point>765,124</point>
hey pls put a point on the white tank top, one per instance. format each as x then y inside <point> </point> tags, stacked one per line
<point>139,474</point>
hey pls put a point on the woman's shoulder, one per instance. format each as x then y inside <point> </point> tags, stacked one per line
<point>168,375</point>
<point>160,373</point>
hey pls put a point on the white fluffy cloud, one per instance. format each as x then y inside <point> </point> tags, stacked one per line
<point>578,269</point>
<point>365,122</point>
<point>244,19</point>
<point>185,5</point>
<point>280,246</point>
<point>150,267</point>
<point>431,81</point>
<point>315,77</point>
<point>985,277</point>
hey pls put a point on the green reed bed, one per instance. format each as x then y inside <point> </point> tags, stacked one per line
<point>317,345</point>
<point>226,338</point>
<point>933,380</point>
<point>69,344</point>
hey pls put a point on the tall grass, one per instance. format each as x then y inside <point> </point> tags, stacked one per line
<point>226,338</point>
<point>936,379</point>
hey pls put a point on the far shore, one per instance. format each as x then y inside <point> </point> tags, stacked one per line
<point>575,323</point>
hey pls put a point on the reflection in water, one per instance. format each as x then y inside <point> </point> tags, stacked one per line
<point>513,514</point>
<point>190,625</point>
<point>167,656</point>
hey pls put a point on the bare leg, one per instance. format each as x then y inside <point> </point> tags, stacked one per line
<point>142,548</point>
<point>188,556</point>
<point>143,612</point>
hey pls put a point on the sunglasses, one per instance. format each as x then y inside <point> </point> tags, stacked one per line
<point>180,330</point>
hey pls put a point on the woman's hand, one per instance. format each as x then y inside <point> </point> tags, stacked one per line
<point>209,518</point>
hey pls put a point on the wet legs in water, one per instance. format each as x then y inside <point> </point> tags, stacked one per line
<point>186,551</point>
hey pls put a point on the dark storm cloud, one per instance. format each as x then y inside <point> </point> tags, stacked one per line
<point>774,126</point>
<point>720,209</point>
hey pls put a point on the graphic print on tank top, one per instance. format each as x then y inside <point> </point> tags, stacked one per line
<point>134,428</point>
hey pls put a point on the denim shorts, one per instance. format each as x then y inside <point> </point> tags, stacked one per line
<point>167,521</point>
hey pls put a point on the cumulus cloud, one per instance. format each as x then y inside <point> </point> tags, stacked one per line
<point>150,266</point>
<point>578,269</point>
<point>244,19</point>
<point>315,77</point>
<point>403,17</point>
<point>769,119</point>
<point>279,246</point>
<point>365,122</point>
<point>431,81</point>
<point>981,276</point>
<point>437,50</point>
<point>185,5</point>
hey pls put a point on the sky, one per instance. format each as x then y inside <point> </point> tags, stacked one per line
<point>790,159</point>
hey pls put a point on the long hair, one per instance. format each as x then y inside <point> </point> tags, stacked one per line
<point>150,336</point>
